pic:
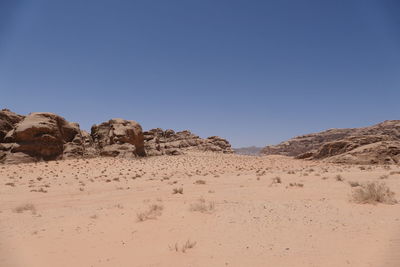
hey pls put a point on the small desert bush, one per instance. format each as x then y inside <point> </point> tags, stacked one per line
<point>374,192</point>
<point>339,178</point>
<point>188,245</point>
<point>277,180</point>
<point>296,184</point>
<point>200,182</point>
<point>25,207</point>
<point>153,212</point>
<point>354,184</point>
<point>203,206</point>
<point>177,190</point>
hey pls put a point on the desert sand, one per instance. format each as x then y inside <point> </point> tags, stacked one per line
<point>197,209</point>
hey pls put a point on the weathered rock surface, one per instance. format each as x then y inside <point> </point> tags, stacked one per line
<point>47,136</point>
<point>118,137</point>
<point>40,136</point>
<point>169,142</point>
<point>377,144</point>
<point>8,120</point>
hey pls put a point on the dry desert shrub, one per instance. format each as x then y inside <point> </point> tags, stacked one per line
<point>374,192</point>
<point>153,212</point>
<point>200,182</point>
<point>188,245</point>
<point>25,207</point>
<point>203,206</point>
<point>277,180</point>
<point>177,190</point>
<point>339,178</point>
<point>296,184</point>
<point>354,184</point>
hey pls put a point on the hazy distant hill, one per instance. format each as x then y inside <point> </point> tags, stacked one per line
<point>251,150</point>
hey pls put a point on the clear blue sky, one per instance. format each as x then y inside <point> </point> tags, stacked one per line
<point>254,72</point>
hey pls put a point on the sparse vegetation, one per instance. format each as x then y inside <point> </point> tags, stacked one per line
<point>177,190</point>
<point>277,180</point>
<point>296,184</point>
<point>25,207</point>
<point>200,182</point>
<point>203,206</point>
<point>354,184</point>
<point>153,212</point>
<point>339,178</point>
<point>188,245</point>
<point>374,192</point>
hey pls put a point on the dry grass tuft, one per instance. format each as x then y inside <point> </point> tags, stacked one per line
<point>188,245</point>
<point>25,207</point>
<point>374,192</point>
<point>296,184</point>
<point>203,206</point>
<point>200,182</point>
<point>153,212</point>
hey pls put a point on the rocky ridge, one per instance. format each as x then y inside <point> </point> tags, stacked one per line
<point>377,144</point>
<point>47,136</point>
<point>169,142</point>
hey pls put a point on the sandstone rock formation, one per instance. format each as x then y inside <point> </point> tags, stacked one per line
<point>169,142</point>
<point>118,137</point>
<point>47,136</point>
<point>375,144</point>
<point>38,136</point>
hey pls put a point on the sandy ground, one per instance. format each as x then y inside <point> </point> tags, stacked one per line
<point>116,212</point>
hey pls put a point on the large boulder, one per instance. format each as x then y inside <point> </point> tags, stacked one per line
<point>40,136</point>
<point>43,136</point>
<point>118,137</point>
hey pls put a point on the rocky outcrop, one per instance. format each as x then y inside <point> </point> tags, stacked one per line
<point>47,136</point>
<point>40,136</point>
<point>169,142</point>
<point>384,152</point>
<point>374,144</point>
<point>8,120</point>
<point>305,143</point>
<point>118,137</point>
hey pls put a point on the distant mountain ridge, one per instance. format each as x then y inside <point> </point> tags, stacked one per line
<point>251,150</point>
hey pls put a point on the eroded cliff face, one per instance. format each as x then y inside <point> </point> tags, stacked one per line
<point>377,144</point>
